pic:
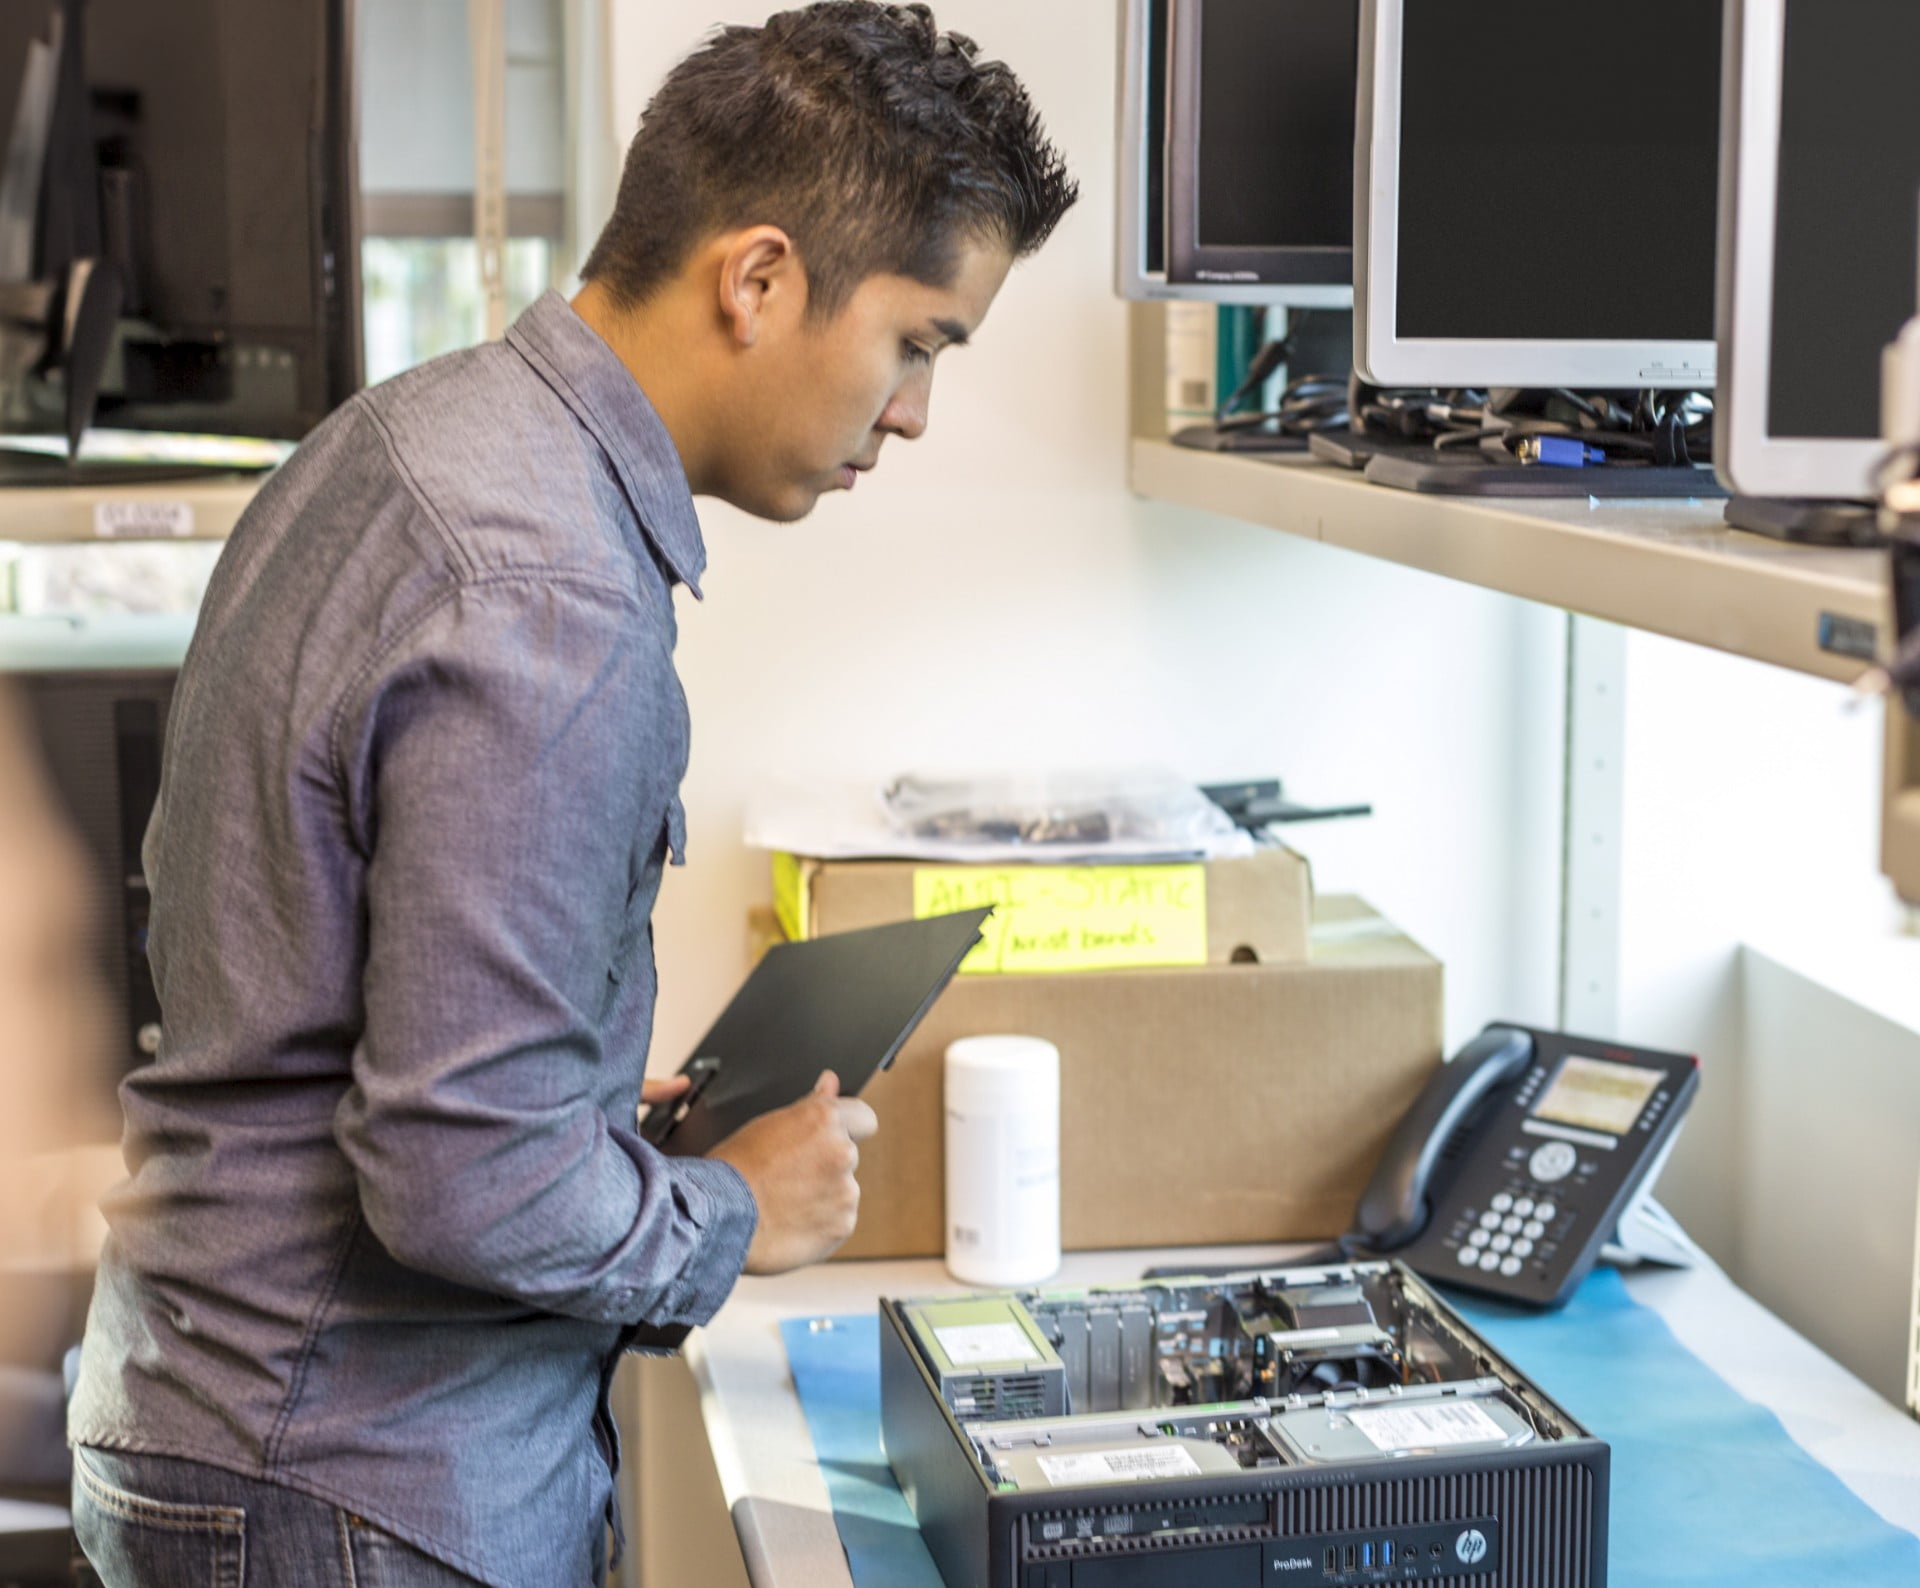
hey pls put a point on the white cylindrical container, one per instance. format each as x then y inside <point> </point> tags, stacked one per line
<point>1003,1160</point>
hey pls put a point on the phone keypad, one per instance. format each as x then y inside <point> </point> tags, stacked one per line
<point>1514,1234</point>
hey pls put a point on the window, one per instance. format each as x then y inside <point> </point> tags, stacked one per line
<point>422,295</point>
<point>419,265</point>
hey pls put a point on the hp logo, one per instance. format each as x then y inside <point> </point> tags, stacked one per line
<point>1471,1547</point>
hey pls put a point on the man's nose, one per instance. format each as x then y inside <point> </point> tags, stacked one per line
<point>906,412</point>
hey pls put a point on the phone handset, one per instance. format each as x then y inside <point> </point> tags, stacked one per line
<point>1393,1210</point>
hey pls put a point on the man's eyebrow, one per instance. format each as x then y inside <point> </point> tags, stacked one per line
<point>954,332</point>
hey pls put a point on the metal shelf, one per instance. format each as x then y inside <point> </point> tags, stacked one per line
<point>195,509</point>
<point>1672,568</point>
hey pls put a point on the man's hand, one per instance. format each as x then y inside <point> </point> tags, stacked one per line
<point>653,1093</point>
<point>798,1161</point>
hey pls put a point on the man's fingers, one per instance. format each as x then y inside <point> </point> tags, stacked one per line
<point>857,1118</point>
<point>828,1085</point>
<point>664,1089</point>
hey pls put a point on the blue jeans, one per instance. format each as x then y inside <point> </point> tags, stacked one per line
<point>159,1522</point>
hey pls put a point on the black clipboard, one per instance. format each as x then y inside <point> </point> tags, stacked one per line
<point>846,1002</point>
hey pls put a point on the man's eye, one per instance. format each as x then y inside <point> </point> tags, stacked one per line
<point>914,353</point>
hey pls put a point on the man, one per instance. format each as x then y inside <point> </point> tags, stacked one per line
<point>388,1224</point>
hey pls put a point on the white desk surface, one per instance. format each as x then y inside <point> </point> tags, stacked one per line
<point>778,1498</point>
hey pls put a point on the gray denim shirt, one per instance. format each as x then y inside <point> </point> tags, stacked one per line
<point>388,1222</point>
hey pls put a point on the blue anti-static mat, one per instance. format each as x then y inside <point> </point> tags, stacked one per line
<point>1707,1491</point>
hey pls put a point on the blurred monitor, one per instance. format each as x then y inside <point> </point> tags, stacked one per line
<point>100,734</point>
<point>1536,193</point>
<point>1236,151</point>
<point>1821,183</point>
<point>177,240</point>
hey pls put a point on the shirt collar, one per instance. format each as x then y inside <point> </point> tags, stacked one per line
<point>570,356</point>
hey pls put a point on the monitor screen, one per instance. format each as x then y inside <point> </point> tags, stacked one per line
<point>206,147</point>
<point>1558,171</point>
<point>1154,110</point>
<point>1846,234</point>
<point>1276,124</point>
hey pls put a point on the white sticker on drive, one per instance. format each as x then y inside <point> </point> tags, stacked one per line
<point>1302,1336</point>
<point>1425,1427</point>
<point>969,1344</point>
<point>142,519</point>
<point>1119,1466</point>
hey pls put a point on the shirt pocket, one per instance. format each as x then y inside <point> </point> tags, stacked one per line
<point>676,832</point>
<point>668,848</point>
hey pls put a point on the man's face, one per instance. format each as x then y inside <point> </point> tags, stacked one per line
<point>822,396</point>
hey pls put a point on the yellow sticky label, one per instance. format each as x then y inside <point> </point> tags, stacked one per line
<point>1064,918</point>
<point>789,895</point>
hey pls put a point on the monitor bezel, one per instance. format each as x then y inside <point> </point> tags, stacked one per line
<point>1132,279</point>
<point>1188,259</point>
<point>1749,459</point>
<point>1385,358</point>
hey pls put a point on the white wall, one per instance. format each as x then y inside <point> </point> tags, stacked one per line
<point>1831,1107</point>
<point>1757,931</point>
<point>993,596</point>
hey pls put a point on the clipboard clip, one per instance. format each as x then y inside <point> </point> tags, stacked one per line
<point>700,1075</point>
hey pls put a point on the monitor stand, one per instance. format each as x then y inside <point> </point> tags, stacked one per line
<point>1472,473</point>
<point>1243,438</point>
<point>1811,523</point>
<point>1345,448</point>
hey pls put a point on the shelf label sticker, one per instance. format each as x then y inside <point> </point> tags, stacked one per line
<point>969,1344</point>
<point>1432,1427</point>
<point>1136,1464</point>
<point>1071,918</point>
<point>142,519</point>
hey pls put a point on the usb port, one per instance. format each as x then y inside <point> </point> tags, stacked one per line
<point>1333,1559</point>
<point>1386,1553</point>
<point>1352,1556</point>
<point>1366,1556</point>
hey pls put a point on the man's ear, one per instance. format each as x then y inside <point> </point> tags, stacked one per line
<point>761,282</point>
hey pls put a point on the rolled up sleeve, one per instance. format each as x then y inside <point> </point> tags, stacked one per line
<point>509,766</point>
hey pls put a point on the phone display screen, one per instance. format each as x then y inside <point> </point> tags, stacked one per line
<point>1595,1094</point>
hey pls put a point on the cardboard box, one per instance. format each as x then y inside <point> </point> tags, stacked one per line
<point>1225,1103</point>
<point>1055,918</point>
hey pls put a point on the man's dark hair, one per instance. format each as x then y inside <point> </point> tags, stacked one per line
<point>878,143</point>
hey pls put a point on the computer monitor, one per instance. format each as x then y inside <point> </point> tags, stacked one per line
<point>1821,189</point>
<point>200,155</point>
<point>100,736</point>
<point>1236,150</point>
<point>1536,194</point>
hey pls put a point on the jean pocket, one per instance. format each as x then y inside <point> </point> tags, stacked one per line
<point>382,1561</point>
<point>133,1541</point>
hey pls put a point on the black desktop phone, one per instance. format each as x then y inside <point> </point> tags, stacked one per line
<point>1523,1157</point>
